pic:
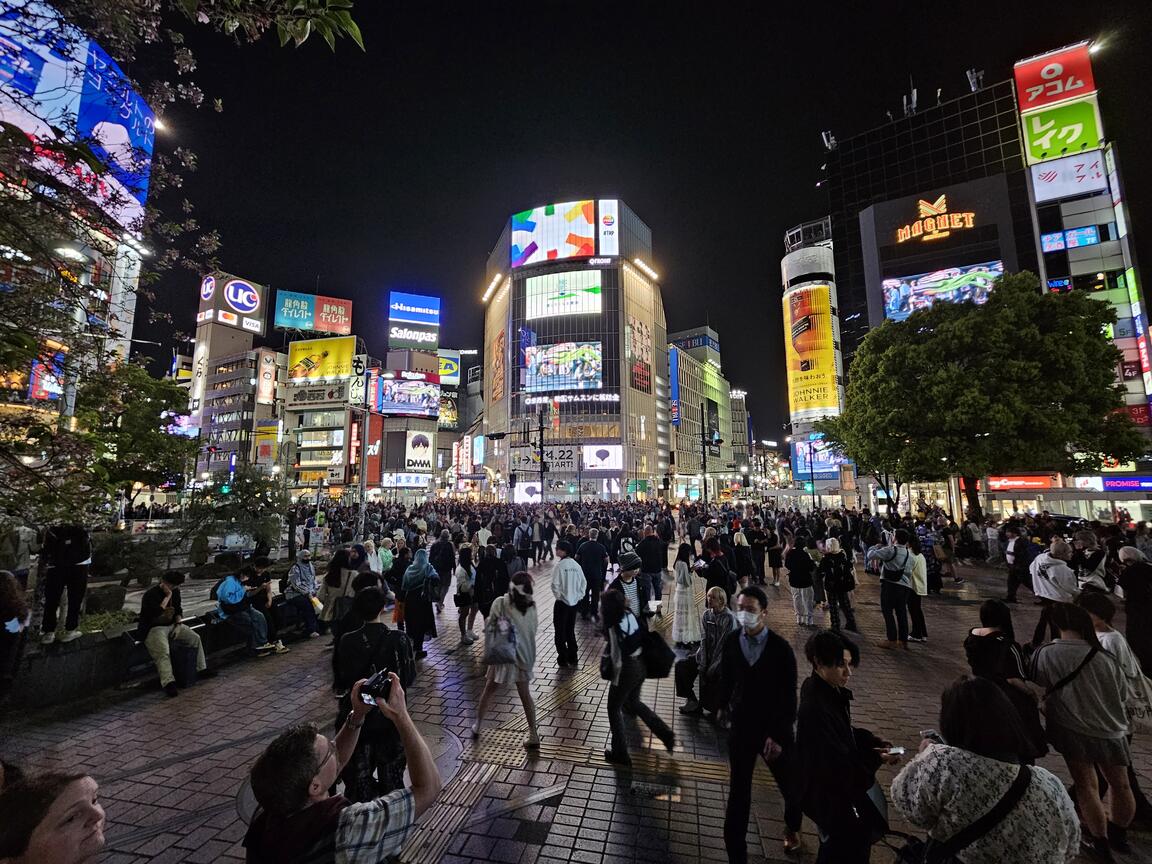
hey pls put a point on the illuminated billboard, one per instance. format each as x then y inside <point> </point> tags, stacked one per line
<point>56,84</point>
<point>314,313</point>
<point>810,352</point>
<point>233,302</point>
<point>674,385</point>
<point>602,457</point>
<point>408,394</point>
<point>1062,130</point>
<point>609,227</point>
<point>1073,175</point>
<point>46,378</point>
<point>418,451</point>
<point>449,409</point>
<point>638,350</point>
<point>563,366</point>
<point>905,295</point>
<point>315,359</point>
<point>576,292</point>
<point>499,370</point>
<point>814,459</point>
<point>449,366</point>
<point>1054,77</point>
<point>413,321</point>
<point>554,232</point>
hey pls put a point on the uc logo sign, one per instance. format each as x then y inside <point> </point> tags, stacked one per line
<point>207,288</point>
<point>241,296</point>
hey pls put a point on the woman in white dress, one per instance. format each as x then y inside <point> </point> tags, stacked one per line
<point>685,615</point>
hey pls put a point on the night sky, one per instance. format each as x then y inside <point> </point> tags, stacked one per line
<point>397,168</point>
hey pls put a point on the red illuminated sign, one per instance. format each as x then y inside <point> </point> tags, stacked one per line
<point>1037,481</point>
<point>1054,77</point>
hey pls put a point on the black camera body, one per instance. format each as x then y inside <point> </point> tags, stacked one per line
<point>379,686</point>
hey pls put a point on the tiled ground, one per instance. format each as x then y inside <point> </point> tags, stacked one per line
<point>171,770</point>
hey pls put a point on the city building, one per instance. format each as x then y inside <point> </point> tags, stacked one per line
<point>238,415</point>
<point>575,358</point>
<point>701,399</point>
<point>741,427</point>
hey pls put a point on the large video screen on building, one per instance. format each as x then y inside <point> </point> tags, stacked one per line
<point>404,398</point>
<point>56,84</point>
<point>563,366</point>
<point>814,459</point>
<point>810,352</point>
<point>905,294</point>
<point>554,232</point>
<point>576,292</point>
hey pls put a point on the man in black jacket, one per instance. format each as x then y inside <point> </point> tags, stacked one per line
<point>593,560</point>
<point>160,626</point>
<point>442,556</point>
<point>654,558</point>
<point>758,681</point>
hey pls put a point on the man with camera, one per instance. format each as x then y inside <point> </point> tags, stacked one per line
<point>299,821</point>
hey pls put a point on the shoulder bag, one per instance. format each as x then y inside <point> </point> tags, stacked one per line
<point>895,574</point>
<point>500,638</point>
<point>917,851</point>
<point>657,656</point>
<point>1067,679</point>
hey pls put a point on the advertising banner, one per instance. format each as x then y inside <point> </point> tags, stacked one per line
<point>1023,483</point>
<point>1127,484</point>
<point>312,359</point>
<point>374,455</point>
<point>814,459</point>
<point>266,377</point>
<point>418,451</point>
<point>449,367</point>
<point>413,321</point>
<point>313,313</point>
<point>499,369</point>
<point>55,82</point>
<point>407,395</point>
<point>46,378</point>
<point>674,384</point>
<point>1054,77</point>
<point>712,426</point>
<point>267,439</point>
<point>1072,175</point>
<point>904,295</point>
<point>638,350</point>
<point>418,337</point>
<point>554,232</point>
<point>449,409</point>
<point>561,459</point>
<point>1062,130</point>
<point>563,366</point>
<point>477,450</point>
<point>609,227</point>
<point>234,302</point>
<point>602,457</point>
<point>316,395</point>
<point>810,353</point>
<point>405,481</point>
<point>576,292</point>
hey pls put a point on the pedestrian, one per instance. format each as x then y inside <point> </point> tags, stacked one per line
<point>623,665</point>
<point>837,761</point>
<point>895,586</point>
<point>52,818</point>
<point>372,556</point>
<point>1087,724</point>
<point>513,617</point>
<point>377,765</point>
<point>421,588</point>
<point>568,589</point>
<point>442,556</point>
<point>758,671</point>
<point>592,557</point>
<point>1089,562</point>
<point>717,621</point>
<point>653,561</point>
<point>839,577</point>
<point>300,591</point>
<point>465,598</point>
<point>64,559</point>
<point>919,631</point>
<point>336,591</point>
<point>775,556</point>
<point>745,565</point>
<point>800,568</point>
<point>685,615</point>
<point>970,769</point>
<point>161,626</point>
<point>1135,580</point>
<point>17,546</point>
<point>1019,553</point>
<point>15,618</point>
<point>234,603</point>
<point>636,593</point>
<point>1053,581</point>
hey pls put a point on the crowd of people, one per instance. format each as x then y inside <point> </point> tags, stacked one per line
<point>1076,687</point>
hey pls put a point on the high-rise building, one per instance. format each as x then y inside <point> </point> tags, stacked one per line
<point>741,427</point>
<point>575,354</point>
<point>702,434</point>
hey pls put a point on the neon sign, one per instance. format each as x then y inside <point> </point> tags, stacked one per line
<point>935,222</point>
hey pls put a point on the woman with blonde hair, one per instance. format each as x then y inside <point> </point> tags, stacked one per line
<point>742,551</point>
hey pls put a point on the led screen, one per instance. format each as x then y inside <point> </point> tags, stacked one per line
<point>1053,242</point>
<point>563,366</point>
<point>56,84</point>
<point>554,232</point>
<point>815,456</point>
<point>638,347</point>
<point>574,293</point>
<point>602,457</point>
<point>401,398</point>
<point>1089,235</point>
<point>905,295</point>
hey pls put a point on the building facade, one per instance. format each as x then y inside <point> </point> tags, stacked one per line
<point>239,410</point>
<point>702,424</point>
<point>575,354</point>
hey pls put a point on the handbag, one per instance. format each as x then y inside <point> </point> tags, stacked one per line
<point>605,667</point>
<point>657,656</point>
<point>917,851</point>
<point>500,641</point>
<point>317,605</point>
<point>1139,706</point>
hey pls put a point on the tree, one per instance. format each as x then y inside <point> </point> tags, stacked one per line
<point>246,502</point>
<point>870,453</point>
<point>74,230</point>
<point>1024,382</point>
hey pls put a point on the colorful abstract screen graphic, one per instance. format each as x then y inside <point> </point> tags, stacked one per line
<point>906,294</point>
<point>810,352</point>
<point>563,366</point>
<point>554,232</point>
<point>576,292</point>
<point>399,398</point>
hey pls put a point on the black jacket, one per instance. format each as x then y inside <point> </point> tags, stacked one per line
<point>653,555</point>
<point>150,608</point>
<point>761,698</point>
<point>800,568</point>
<point>717,574</point>
<point>442,556</point>
<point>837,761</point>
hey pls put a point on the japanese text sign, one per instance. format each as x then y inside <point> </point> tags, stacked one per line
<point>1054,77</point>
<point>1062,130</point>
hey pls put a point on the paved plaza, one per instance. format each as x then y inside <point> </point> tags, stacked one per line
<point>172,771</point>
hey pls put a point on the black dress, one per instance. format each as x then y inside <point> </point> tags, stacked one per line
<point>997,657</point>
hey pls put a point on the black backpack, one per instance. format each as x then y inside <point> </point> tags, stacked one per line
<point>67,545</point>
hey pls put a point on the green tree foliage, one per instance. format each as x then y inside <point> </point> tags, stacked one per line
<point>1025,382</point>
<point>247,502</point>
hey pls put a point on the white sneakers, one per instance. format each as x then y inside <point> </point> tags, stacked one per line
<point>68,636</point>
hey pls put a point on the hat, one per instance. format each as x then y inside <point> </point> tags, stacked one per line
<point>629,561</point>
<point>304,554</point>
<point>565,547</point>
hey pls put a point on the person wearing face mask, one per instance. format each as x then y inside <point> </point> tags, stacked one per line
<point>837,761</point>
<point>716,623</point>
<point>53,818</point>
<point>758,675</point>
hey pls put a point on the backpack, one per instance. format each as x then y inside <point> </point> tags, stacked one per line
<point>231,595</point>
<point>67,545</point>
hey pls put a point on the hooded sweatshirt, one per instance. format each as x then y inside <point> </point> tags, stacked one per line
<point>1053,579</point>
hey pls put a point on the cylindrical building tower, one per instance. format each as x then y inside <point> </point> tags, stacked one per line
<point>812,336</point>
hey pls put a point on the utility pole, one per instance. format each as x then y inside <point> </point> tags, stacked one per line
<point>363,474</point>
<point>543,464</point>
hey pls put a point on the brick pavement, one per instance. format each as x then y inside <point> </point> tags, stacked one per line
<point>171,771</point>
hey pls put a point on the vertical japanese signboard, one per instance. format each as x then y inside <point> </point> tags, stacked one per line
<point>1056,94</point>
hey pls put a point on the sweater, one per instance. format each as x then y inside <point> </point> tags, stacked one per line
<point>761,698</point>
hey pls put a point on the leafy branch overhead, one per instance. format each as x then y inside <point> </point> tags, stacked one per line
<point>1025,382</point>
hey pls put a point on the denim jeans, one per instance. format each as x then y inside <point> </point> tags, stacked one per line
<point>253,623</point>
<point>894,607</point>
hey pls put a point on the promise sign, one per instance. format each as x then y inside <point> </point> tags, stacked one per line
<point>935,222</point>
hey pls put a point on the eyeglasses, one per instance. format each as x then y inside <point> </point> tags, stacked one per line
<point>331,753</point>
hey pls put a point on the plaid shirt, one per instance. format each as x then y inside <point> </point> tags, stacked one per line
<point>375,830</point>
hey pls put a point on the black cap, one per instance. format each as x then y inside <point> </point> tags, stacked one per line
<point>565,546</point>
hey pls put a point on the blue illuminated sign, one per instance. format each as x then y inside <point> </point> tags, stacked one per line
<point>295,311</point>
<point>1089,235</point>
<point>674,381</point>
<point>413,309</point>
<point>1127,484</point>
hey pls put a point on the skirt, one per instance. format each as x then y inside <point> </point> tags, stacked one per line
<point>509,673</point>
<point>685,616</point>
<point>775,558</point>
<point>1077,747</point>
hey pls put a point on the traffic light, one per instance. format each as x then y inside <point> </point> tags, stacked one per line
<point>808,486</point>
<point>225,489</point>
<point>512,480</point>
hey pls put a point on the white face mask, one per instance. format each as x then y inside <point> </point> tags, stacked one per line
<point>748,619</point>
